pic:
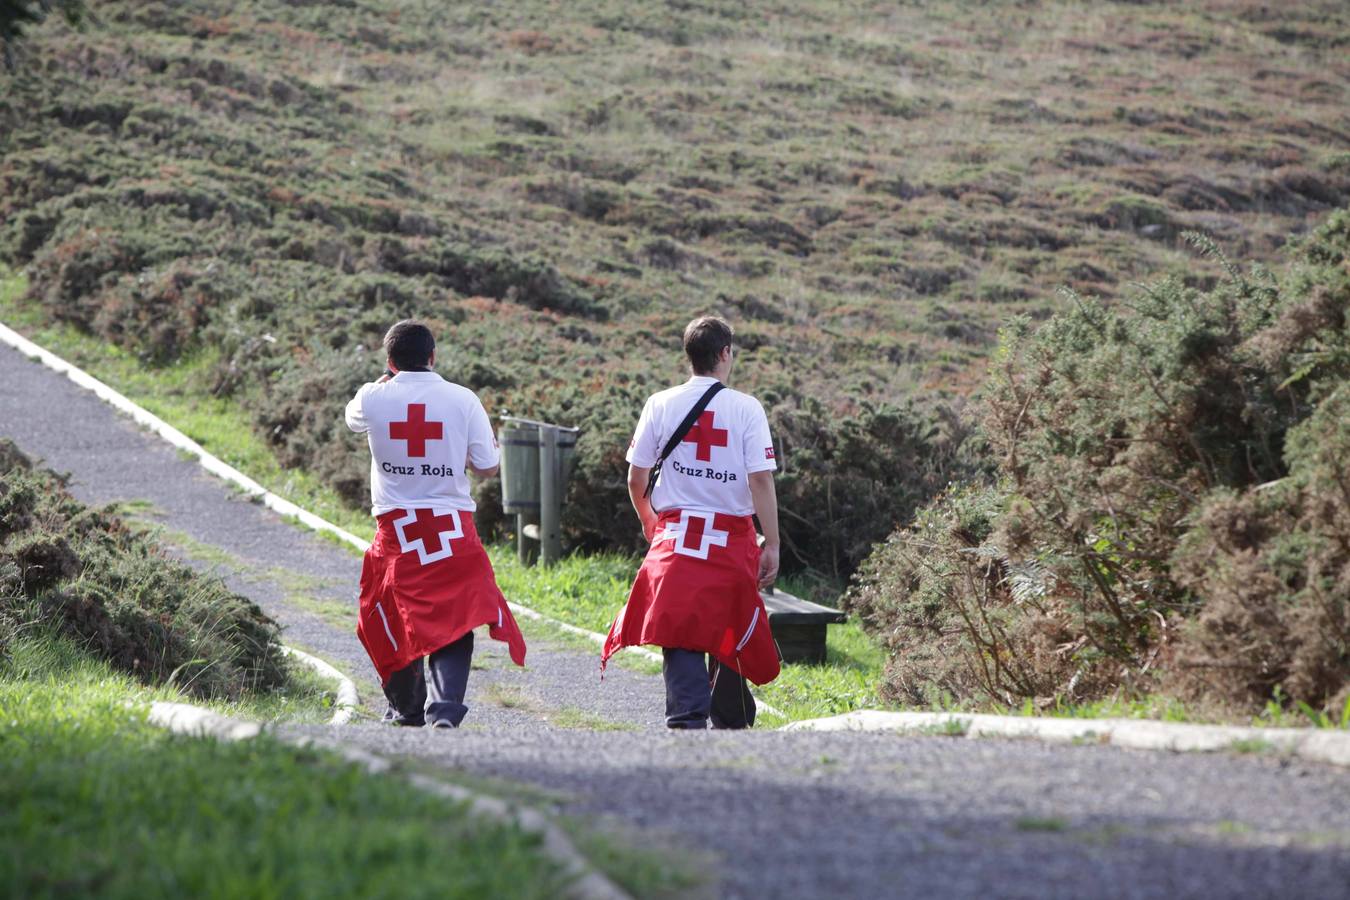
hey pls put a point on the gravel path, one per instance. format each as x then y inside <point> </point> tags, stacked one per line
<point>760,813</point>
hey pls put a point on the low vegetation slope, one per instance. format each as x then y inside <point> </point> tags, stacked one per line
<point>866,189</point>
<point>84,575</point>
<point>1171,511</point>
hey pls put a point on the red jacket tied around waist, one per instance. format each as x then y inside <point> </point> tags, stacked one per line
<point>425,583</point>
<point>697,590</point>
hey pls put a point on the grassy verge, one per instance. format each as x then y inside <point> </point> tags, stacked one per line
<point>178,394</point>
<point>93,801</point>
<point>42,657</point>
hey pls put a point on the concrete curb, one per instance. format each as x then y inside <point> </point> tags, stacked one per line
<point>173,436</point>
<point>1313,745</point>
<point>227,472</point>
<point>183,718</point>
<point>347,700</point>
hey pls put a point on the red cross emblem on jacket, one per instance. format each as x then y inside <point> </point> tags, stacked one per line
<point>695,534</point>
<point>429,532</point>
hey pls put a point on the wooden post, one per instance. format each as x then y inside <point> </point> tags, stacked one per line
<point>550,496</point>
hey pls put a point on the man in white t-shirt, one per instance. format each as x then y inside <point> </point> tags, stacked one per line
<point>697,591</point>
<point>426,582</point>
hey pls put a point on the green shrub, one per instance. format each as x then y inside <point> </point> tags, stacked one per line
<point>1171,507</point>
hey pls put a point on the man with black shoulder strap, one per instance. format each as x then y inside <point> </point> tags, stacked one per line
<point>700,464</point>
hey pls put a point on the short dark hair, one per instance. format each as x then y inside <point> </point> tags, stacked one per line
<point>704,340</point>
<point>409,345</point>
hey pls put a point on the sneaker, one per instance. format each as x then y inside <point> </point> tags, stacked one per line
<point>393,718</point>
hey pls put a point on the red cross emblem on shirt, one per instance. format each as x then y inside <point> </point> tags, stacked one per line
<point>416,430</point>
<point>706,436</point>
<point>429,532</point>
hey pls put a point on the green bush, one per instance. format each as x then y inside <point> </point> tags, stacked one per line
<point>1170,510</point>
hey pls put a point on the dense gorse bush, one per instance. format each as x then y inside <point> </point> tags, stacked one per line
<point>1169,512</point>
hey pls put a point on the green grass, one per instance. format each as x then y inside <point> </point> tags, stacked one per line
<point>1155,708</point>
<point>572,182</point>
<point>846,682</point>
<point>950,728</point>
<point>1041,823</point>
<point>509,696</point>
<point>1252,746</point>
<point>588,591</point>
<point>177,394</point>
<point>40,656</point>
<point>1158,708</point>
<point>96,802</point>
<point>639,862</point>
<point>303,591</point>
<point>648,872</point>
<point>574,718</point>
<point>545,635</point>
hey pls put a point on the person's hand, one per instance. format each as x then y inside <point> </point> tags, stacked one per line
<point>768,565</point>
<point>649,528</point>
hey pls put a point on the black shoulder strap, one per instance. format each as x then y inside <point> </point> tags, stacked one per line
<point>680,432</point>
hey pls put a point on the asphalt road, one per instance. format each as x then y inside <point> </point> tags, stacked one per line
<point>759,813</point>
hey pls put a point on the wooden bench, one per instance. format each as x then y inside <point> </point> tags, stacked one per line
<point>799,625</point>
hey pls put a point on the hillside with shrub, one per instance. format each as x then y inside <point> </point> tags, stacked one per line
<point>1170,513</point>
<point>866,190</point>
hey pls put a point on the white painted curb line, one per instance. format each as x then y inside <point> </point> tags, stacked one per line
<point>593,636</point>
<point>1314,745</point>
<point>347,701</point>
<point>229,473</point>
<point>183,718</point>
<point>173,436</point>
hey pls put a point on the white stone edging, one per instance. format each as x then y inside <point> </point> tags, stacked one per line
<point>347,701</point>
<point>1314,745</point>
<point>183,718</point>
<point>175,437</point>
<point>229,473</point>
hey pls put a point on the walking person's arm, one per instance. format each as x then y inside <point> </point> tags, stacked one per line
<point>765,498</point>
<point>637,492</point>
<point>484,456</point>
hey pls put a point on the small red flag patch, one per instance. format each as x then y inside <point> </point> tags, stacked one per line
<point>768,453</point>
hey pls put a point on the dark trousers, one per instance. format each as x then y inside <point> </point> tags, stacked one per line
<point>413,702</point>
<point>699,690</point>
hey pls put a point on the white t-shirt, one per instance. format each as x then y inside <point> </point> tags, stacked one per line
<point>421,430</point>
<point>708,471</point>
